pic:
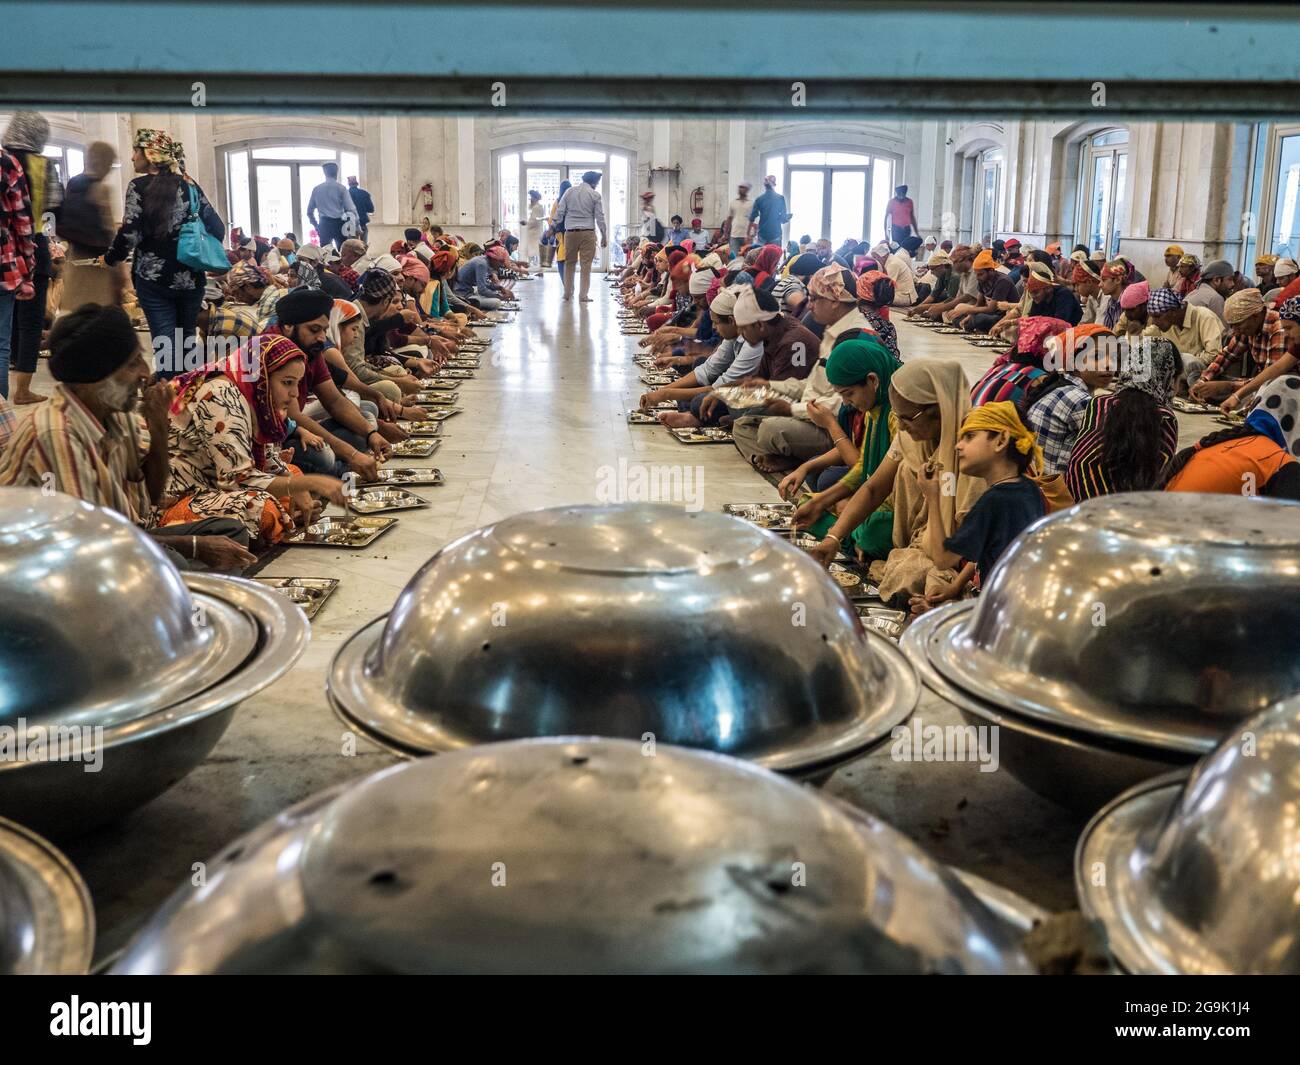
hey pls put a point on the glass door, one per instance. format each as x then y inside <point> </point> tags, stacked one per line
<point>1284,227</point>
<point>807,203</point>
<point>848,215</point>
<point>1104,168</point>
<point>274,208</point>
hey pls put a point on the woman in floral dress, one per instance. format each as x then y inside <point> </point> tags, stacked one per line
<point>227,428</point>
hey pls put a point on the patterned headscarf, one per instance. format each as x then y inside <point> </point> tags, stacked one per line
<point>1290,310</point>
<point>1039,278</point>
<point>1033,334</point>
<point>160,149</point>
<point>1154,370</point>
<point>377,286</point>
<point>1084,271</point>
<point>828,283</point>
<point>876,287</point>
<point>341,313</point>
<point>1277,414</point>
<point>1242,305</point>
<point>1164,300</point>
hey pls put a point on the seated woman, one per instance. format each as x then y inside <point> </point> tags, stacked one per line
<point>1012,372</point>
<point>860,369</point>
<point>1128,436</point>
<point>226,431</point>
<point>930,401</point>
<point>1257,458</point>
<point>995,445</point>
<point>875,292</point>
<point>383,394</point>
<point>682,303</point>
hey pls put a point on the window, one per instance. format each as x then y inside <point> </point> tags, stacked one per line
<point>70,160</point>
<point>1104,169</point>
<point>834,195</point>
<point>268,187</point>
<point>543,169</point>
<point>988,194</point>
<point>1282,236</point>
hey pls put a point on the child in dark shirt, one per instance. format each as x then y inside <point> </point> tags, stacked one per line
<point>996,445</point>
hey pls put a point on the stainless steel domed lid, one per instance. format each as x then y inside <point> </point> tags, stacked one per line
<point>1158,618</point>
<point>47,923</point>
<point>575,855</point>
<point>1200,873</point>
<point>98,628</point>
<point>696,629</point>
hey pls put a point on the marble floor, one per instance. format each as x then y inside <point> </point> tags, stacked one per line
<point>542,425</point>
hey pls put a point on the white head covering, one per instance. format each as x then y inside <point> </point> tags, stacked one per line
<point>700,281</point>
<point>724,302</point>
<point>748,312</point>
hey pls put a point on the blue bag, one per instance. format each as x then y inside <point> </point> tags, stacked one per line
<point>196,247</point>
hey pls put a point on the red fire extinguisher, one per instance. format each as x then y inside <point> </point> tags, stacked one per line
<point>426,190</point>
<point>697,201</point>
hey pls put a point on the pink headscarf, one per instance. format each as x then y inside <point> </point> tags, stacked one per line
<point>1135,295</point>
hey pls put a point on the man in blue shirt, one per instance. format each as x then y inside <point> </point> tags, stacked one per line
<point>331,209</point>
<point>769,212</point>
<point>364,204</point>
<point>678,232</point>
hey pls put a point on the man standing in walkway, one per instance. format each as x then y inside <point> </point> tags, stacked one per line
<point>738,217</point>
<point>770,213</point>
<point>364,205</point>
<point>581,213</point>
<point>900,215</point>
<point>331,208</point>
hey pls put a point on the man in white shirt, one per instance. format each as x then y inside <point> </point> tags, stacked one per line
<point>784,434</point>
<point>739,212</point>
<point>901,270</point>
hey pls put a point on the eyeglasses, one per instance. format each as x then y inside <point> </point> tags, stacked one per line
<point>908,419</point>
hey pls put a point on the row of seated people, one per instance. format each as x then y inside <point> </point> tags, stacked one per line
<point>904,463</point>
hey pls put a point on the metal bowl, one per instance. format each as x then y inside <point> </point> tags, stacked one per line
<point>87,757</point>
<point>1074,769</point>
<point>697,629</point>
<point>574,855</point>
<point>1200,873</point>
<point>97,626</point>
<point>1160,619</point>
<point>47,923</point>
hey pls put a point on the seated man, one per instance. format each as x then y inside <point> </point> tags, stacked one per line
<point>942,281</point>
<point>783,433</point>
<point>1218,282</point>
<point>787,350</point>
<point>475,283</point>
<point>1196,332</point>
<point>730,363</point>
<point>89,442</point>
<point>997,295</point>
<point>967,286</point>
<point>1256,340</point>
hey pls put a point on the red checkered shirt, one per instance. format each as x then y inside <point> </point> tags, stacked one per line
<point>1264,349</point>
<point>17,234</point>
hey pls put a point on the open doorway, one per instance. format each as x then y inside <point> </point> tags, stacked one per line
<point>544,168</point>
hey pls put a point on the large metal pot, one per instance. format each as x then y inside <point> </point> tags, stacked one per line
<point>144,667</point>
<point>1200,873</point>
<point>640,621</point>
<point>1074,769</point>
<point>1122,638</point>
<point>47,923</point>
<point>1156,618</point>
<point>574,855</point>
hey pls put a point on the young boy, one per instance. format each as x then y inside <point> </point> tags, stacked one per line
<point>993,443</point>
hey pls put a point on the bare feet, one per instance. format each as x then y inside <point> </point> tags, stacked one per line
<point>772,463</point>
<point>679,419</point>
<point>22,399</point>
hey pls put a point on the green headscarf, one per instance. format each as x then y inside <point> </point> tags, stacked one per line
<point>849,363</point>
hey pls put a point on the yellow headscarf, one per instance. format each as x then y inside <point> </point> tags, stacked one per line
<point>1004,418</point>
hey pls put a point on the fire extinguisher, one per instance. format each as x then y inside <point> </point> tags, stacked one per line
<point>426,190</point>
<point>697,201</point>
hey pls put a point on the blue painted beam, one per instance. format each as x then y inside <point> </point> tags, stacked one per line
<point>1019,43</point>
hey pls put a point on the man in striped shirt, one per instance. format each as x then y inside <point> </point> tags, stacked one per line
<point>89,442</point>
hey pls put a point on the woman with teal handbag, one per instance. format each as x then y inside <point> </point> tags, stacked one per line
<point>174,236</point>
